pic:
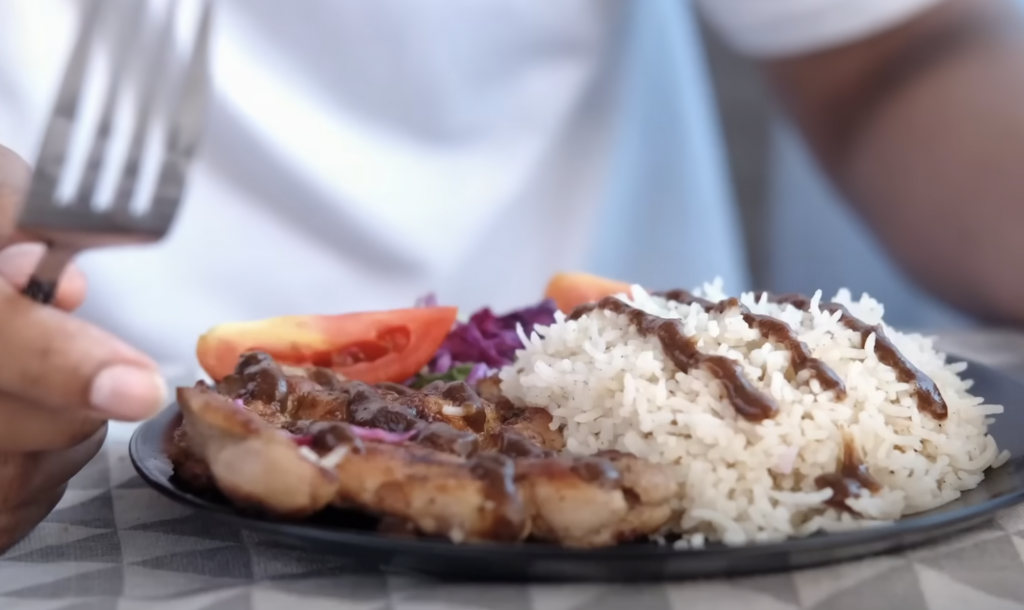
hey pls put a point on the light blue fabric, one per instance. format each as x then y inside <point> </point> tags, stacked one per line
<point>670,218</point>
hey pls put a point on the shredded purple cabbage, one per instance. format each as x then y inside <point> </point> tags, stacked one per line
<point>486,342</point>
<point>490,339</point>
<point>442,362</point>
<point>384,436</point>
<point>478,372</point>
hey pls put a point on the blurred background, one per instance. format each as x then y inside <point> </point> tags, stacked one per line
<point>703,176</point>
<point>799,232</point>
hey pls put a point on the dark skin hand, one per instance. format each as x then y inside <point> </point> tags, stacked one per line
<point>52,414</point>
<point>923,128</point>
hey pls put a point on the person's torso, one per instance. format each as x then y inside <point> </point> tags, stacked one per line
<point>359,154</point>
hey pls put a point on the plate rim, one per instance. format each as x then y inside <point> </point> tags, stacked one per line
<point>950,522</point>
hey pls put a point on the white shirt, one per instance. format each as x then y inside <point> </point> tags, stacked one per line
<point>359,154</point>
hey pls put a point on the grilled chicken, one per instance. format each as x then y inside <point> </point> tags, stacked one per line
<point>443,459</point>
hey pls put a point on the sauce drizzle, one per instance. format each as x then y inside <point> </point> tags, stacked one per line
<point>461,395</point>
<point>929,399</point>
<point>749,402</point>
<point>772,329</point>
<point>597,471</point>
<point>850,479</point>
<point>509,518</point>
<point>367,408</point>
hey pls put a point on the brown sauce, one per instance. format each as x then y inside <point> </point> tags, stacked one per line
<point>749,402</point>
<point>232,385</point>
<point>850,479</point>
<point>325,378</point>
<point>396,388</point>
<point>515,444</point>
<point>434,387</point>
<point>476,420</point>
<point>298,384</point>
<point>773,329</point>
<point>929,399</point>
<point>686,298</point>
<point>368,409</point>
<point>800,301</point>
<point>442,437</point>
<point>597,471</point>
<point>508,513</point>
<point>263,378</point>
<point>327,436</point>
<point>319,405</point>
<point>461,395</point>
<point>507,410</point>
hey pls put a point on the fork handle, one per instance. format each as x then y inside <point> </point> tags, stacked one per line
<point>40,291</point>
<point>42,285</point>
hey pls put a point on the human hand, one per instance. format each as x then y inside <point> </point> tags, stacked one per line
<point>61,379</point>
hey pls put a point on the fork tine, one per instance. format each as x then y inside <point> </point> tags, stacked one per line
<point>146,104</point>
<point>186,126</point>
<point>69,230</point>
<point>125,37</point>
<point>58,131</point>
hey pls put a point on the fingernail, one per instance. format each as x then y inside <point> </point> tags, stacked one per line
<point>128,392</point>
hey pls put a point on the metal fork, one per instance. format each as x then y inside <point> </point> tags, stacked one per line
<point>76,222</point>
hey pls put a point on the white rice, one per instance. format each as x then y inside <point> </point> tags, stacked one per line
<point>741,482</point>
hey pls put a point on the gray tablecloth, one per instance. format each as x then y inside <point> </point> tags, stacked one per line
<point>114,544</point>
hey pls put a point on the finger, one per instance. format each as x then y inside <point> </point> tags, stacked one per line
<point>55,360</point>
<point>18,262</point>
<point>26,428</point>
<point>15,178</point>
<point>16,523</point>
<point>25,477</point>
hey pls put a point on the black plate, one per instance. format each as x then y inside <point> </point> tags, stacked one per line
<point>353,534</point>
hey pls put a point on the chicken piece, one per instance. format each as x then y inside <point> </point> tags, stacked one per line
<point>466,499</point>
<point>256,377</point>
<point>625,497</point>
<point>575,502</point>
<point>324,377</point>
<point>460,468</point>
<point>489,388</point>
<point>534,423</point>
<point>256,465</point>
<point>189,469</point>
<point>454,403</point>
<point>253,463</point>
<point>442,437</point>
<point>649,489</point>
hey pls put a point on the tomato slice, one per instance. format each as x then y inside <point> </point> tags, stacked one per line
<point>570,290</point>
<point>373,347</point>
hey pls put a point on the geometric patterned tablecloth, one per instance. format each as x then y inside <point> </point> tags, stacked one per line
<point>113,544</point>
